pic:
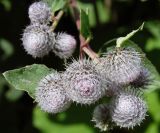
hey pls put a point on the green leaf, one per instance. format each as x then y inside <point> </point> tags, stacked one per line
<point>120,41</point>
<point>7,4</point>
<point>152,44</point>
<point>84,24</point>
<point>154,28</point>
<point>45,124</point>
<point>103,11</point>
<point>7,47</point>
<point>154,105</point>
<point>152,128</point>
<point>92,16</point>
<point>56,4</point>
<point>27,78</point>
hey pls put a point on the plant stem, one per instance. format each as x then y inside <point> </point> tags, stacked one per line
<point>84,43</point>
<point>56,20</point>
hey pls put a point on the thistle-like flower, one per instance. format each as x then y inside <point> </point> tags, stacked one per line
<point>143,80</point>
<point>128,109</point>
<point>101,117</point>
<point>65,45</point>
<point>50,94</point>
<point>83,82</point>
<point>121,65</point>
<point>39,12</point>
<point>38,40</point>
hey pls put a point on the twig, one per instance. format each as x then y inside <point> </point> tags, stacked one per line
<point>56,20</point>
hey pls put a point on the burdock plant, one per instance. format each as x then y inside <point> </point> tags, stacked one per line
<point>121,73</point>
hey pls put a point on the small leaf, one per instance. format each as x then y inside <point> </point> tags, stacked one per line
<point>84,24</point>
<point>27,78</point>
<point>121,40</point>
<point>56,4</point>
<point>45,124</point>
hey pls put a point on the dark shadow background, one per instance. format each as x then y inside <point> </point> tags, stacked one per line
<point>16,117</point>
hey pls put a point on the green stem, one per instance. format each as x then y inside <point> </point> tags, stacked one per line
<point>57,19</point>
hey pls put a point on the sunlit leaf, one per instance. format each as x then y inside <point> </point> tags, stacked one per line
<point>152,128</point>
<point>154,105</point>
<point>42,122</point>
<point>56,4</point>
<point>27,78</point>
<point>152,43</point>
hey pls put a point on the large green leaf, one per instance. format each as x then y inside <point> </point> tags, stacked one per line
<point>84,24</point>
<point>27,78</point>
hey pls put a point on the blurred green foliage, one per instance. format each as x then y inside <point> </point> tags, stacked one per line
<point>7,4</point>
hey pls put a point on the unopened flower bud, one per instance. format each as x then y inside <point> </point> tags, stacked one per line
<point>65,45</point>
<point>39,12</point>
<point>50,94</point>
<point>84,83</point>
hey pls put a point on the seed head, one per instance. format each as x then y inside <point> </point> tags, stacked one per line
<point>143,80</point>
<point>37,40</point>
<point>128,109</point>
<point>50,94</point>
<point>84,83</point>
<point>39,12</point>
<point>101,117</point>
<point>65,45</point>
<point>121,65</point>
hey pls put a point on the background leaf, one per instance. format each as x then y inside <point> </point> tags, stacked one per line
<point>56,4</point>
<point>84,24</point>
<point>27,78</point>
<point>7,48</point>
<point>45,124</point>
<point>7,4</point>
<point>152,128</point>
